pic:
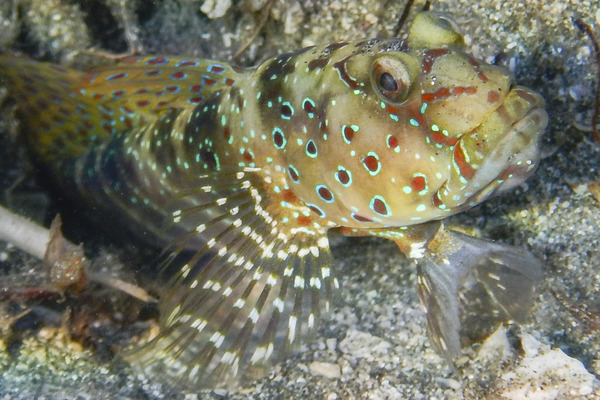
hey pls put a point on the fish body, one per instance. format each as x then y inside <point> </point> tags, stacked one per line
<point>238,174</point>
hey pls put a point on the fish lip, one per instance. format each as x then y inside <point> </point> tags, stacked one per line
<point>529,114</point>
<point>519,143</point>
<point>537,105</point>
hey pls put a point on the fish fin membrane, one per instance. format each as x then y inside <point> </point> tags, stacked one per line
<point>244,293</point>
<point>148,84</point>
<point>469,285</point>
<point>66,111</point>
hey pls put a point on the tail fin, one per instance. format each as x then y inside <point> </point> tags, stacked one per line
<point>466,283</point>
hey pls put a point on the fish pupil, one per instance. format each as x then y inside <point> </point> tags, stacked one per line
<point>387,82</point>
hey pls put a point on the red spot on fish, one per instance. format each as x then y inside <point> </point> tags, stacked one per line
<point>392,142</point>
<point>172,89</point>
<point>278,139</point>
<point>343,177</point>
<point>481,75</point>
<point>216,69</point>
<point>464,89</point>
<point>341,67</point>
<point>418,183</point>
<point>153,72</point>
<point>436,199</point>
<point>325,194</point>
<point>226,133</point>
<point>371,163</point>
<point>348,133</point>
<point>229,82</point>
<point>289,196</point>
<point>392,109</point>
<point>439,94</point>
<point>116,76</point>
<point>379,207</point>
<point>303,220</point>
<point>178,75</point>
<point>195,88</point>
<point>118,93</point>
<point>143,103</point>
<point>293,175</point>
<point>157,61</point>
<point>493,96</point>
<point>438,137</point>
<point>308,107</point>
<point>311,148</point>
<point>247,156</point>
<point>187,64</point>
<point>317,211</point>
<point>195,100</point>
<point>430,56</point>
<point>286,111</point>
<point>459,158</point>
<point>360,218</point>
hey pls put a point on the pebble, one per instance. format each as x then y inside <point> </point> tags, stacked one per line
<point>326,369</point>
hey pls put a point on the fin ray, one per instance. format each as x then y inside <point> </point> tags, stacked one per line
<point>468,283</point>
<point>245,297</point>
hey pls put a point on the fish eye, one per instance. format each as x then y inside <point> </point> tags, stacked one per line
<point>391,77</point>
<point>387,82</point>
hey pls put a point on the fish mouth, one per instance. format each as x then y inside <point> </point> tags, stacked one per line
<point>498,154</point>
<point>514,130</point>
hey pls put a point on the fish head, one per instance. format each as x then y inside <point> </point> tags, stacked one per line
<point>418,130</point>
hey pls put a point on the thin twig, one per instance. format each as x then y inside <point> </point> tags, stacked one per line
<point>35,240</point>
<point>404,16</point>
<point>264,16</point>
<point>585,28</point>
<point>23,233</point>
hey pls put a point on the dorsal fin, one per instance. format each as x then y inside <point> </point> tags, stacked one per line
<point>74,110</point>
<point>147,84</point>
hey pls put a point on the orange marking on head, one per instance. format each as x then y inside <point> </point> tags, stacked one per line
<point>439,94</point>
<point>493,96</point>
<point>459,158</point>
